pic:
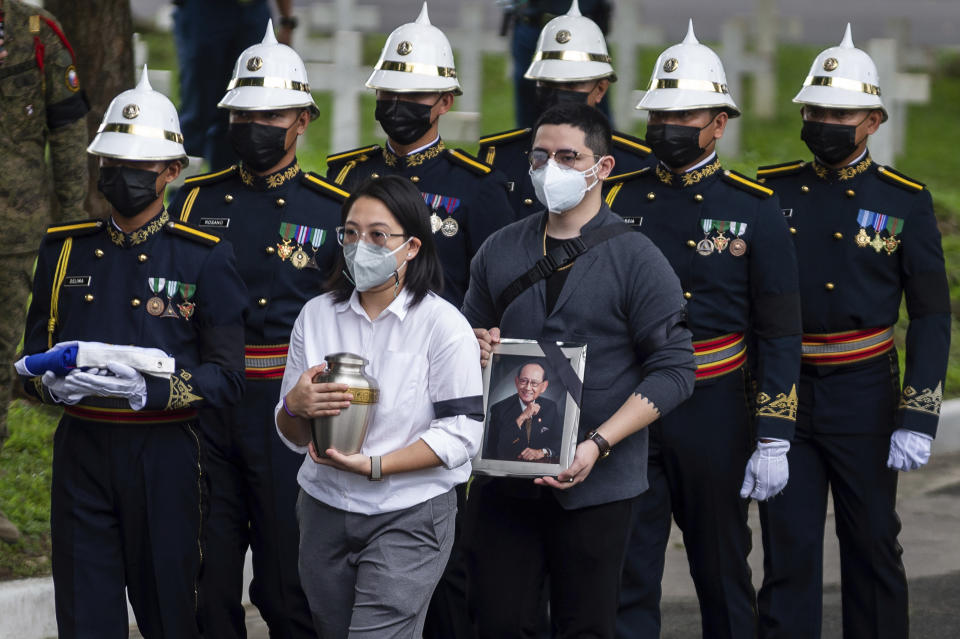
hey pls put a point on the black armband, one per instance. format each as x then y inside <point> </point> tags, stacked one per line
<point>67,111</point>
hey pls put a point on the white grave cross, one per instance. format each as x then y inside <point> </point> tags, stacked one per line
<point>898,90</point>
<point>627,35</point>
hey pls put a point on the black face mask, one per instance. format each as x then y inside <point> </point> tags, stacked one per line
<point>548,96</point>
<point>675,145</point>
<point>832,143</point>
<point>259,146</point>
<point>404,122</point>
<point>128,190</point>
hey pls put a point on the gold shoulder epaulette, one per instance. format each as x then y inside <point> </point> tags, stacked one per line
<point>187,231</point>
<point>206,179</point>
<point>322,185</point>
<point>630,143</point>
<point>505,136</point>
<point>744,183</point>
<point>899,179</point>
<point>74,229</point>
<point>779,170</point>
<point>625,177</point>
<point>461,157</point>
<point>362,154</point>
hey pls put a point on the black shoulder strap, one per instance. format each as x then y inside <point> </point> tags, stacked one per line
<point>557,258</point>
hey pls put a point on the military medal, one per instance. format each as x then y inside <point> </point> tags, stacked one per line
<point>705,246</point>
<point>171,291</point>
<point>894,226</point>
<point>187,307</point>
<point>299,258</point>
<point>879,222</point>
<point>449,227</point>
<point>155,304</point>
<point>865,218</point>
<point>285,250</point>
<point>738,246</point>
<point>317,237</point>
<point>721,240</point>
<point>435,222</point>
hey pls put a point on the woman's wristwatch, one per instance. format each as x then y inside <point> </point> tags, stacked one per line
<point>601,443</point>
<point>376,473</point>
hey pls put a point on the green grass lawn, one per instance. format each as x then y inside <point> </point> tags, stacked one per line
<point>930,156</point>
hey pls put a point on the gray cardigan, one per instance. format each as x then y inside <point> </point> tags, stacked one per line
<point>623,300</point>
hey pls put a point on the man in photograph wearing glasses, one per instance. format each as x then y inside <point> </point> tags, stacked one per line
<point>525,426</point>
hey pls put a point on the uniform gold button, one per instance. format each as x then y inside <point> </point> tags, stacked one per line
<point>135,302</point>
<point>698,197</point>
<point>651,196</point>
<point>528,201</point>
<point>793,230</point>
<point>374,175</point>
<point>228,198</point>
<point>142,258</point>
<point>805,188</point>
<point>270,250</point>
<point>829,286</point>
<point>262,302</point>
<point>687,295</point>
<point>851,192</point>
<point>98,252</point>
<point>414,179</point>
<point>691,244</point>
<point>838,235</point>
<point>88,297</point>
<point>281,201</point>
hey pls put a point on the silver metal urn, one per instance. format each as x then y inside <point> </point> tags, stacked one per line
<point>345,432</point>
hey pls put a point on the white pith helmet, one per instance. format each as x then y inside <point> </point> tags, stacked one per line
<point>416,58</point>
<point>571,48</point>
<point>140,124</point>
<point>269,76</point>
<point>687,76</point>
<point>843,77</point>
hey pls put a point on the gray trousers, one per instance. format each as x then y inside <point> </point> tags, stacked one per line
<point>371,576</point>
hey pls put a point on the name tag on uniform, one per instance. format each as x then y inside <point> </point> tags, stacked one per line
<point>511,186</point>
<point>635,222</point>
<point>77,280</point>
<point>215,222</point>
<point>787,212</point>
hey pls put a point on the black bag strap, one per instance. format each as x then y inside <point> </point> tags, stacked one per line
<point>557,258</point>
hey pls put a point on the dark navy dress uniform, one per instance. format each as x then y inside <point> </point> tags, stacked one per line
<point>725,238</point>
<point>283,229</point>
<point>507,152</point>
<point>467,198</point>
<point>126,497</point>
<point>866,236</point>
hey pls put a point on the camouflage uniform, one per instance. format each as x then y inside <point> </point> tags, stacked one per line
<point>40,102</point>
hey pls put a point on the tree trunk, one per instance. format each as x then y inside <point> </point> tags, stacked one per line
<point>101,33</point>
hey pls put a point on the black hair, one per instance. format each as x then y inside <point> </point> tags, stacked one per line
<point>590,120</point>
<point>423,273</point>
<point>534,362</point>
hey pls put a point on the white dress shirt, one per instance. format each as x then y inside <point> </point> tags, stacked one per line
<point>420,355</point>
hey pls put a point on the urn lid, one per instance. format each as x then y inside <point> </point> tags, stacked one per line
<point>346,358</point>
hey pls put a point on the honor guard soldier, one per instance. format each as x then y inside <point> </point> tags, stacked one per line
<point>41,102</point>
<point>725,238</point>
<point>866,236</point>
<point>416,82</point>
<point>128,476</point>
<point>571,65</point>
<point>282,223</point>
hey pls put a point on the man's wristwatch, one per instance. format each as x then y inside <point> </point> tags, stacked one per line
<point>375,468</point>
<point>289,22</point>
<point>601,443</point>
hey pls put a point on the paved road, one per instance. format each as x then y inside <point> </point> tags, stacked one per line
<point>930,21</point>
<point>930,509</point>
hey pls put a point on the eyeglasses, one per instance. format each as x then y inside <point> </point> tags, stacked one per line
<point>351,236</point>
<point>523,381</point>
<point>563,157</point>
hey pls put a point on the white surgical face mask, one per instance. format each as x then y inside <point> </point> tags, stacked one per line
<point>561,188</point>
<point>370,265</point>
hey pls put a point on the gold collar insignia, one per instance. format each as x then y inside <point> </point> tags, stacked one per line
<point>690,177</point>
<point>139,236</point>
<point>272,181</point>
<point>843,173</point>
<point>415,159</point>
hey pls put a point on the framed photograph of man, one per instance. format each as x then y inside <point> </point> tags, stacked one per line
<point>530,398</point>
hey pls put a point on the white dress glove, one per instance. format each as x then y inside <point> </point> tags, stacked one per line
<point>124,382</point>
<point>767,470</point>
<point>63,389</point>
<point>909,450</point>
